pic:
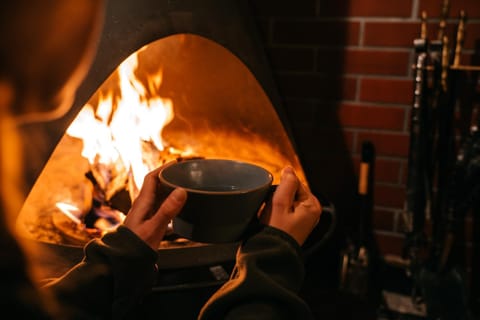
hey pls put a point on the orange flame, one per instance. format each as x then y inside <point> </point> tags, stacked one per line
<point>116,127</point>
<point>71,211</point>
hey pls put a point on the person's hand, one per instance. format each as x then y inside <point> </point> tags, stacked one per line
<point>153,210</point>
<point>293,208</point>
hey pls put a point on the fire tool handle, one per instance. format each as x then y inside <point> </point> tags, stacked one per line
<point>417,189</point>
<point>365,189</point>
<point>416,197</point>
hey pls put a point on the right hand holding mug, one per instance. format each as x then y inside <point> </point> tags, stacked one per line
<point>293,208</point>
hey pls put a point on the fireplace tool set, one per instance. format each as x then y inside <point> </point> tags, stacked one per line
<point>443,183</point>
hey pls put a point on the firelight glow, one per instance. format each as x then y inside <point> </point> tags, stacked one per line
<point>70,211</point>
<point>116,128</point>
<point>168,101</point>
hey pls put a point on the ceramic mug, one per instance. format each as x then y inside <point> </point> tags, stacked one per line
<point>223,197</point>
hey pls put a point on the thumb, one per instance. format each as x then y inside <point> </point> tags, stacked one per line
<point>171,206</point>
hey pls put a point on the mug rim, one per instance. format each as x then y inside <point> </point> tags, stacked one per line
<point>268,174</point>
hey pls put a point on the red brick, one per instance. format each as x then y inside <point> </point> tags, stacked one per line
<point>386,144</point>
<point>389,196</point>
<point>402,34</point>
<point>366,8</point>
<point>349,88</point>
<point>386,90</point>
<point>292,59</point>
<point>371,117</point>
<point>433,7</point>
<point>355,61</point>
<point>380,8</point>
<point>385,170</point>
<point>383,219</point>
<point>394,34</point>
<point>310,88</point>
<point>377,62</point>
<point>390,243</point>
<point>316,33</point>
<point>433,29</point>
<point>472,35</point>
<point>404,171</point>
<point>282,8</point>
<point>314,86</point>
<point>470,59</point>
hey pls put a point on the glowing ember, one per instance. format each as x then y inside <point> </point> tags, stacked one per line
<point>68,220</point>
<point>70,211</point>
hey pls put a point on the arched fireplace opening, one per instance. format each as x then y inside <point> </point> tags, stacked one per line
<point>178,97</point>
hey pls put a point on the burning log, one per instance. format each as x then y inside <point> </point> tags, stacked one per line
<point>71,226</point>
<point>109,200</point>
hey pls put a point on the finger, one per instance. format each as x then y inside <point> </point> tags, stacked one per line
<point>170,207</point>
<point>308,205</point>
<point>144,205</point>
<point>150,182</point>
<point>302,193</point>
<point>286,190</point>
<point>305,198</point>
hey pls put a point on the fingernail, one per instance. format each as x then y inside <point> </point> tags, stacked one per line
<point>179,194</point>
<point>288,170</point>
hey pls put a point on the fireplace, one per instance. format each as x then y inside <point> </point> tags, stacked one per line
<point>129,26</point>
<point>211,75</point>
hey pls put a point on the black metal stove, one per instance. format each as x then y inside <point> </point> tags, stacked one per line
<point>189,273</point>
<point>131,24</point>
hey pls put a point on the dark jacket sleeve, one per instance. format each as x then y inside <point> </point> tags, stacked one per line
<point>114,275</point>
<point>265,282</point>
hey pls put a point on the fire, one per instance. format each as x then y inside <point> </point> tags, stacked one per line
<point>129,127</point>
<point>70,220</point>
<point>70,211</point>
<point>115,131</point>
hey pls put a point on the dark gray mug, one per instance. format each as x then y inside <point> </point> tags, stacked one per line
<point>223,197</point>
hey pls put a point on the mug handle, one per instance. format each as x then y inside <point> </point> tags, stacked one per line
<point>329,209</point>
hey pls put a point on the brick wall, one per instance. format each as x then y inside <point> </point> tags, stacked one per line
<point>344,72</point>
